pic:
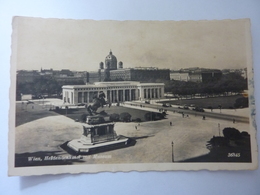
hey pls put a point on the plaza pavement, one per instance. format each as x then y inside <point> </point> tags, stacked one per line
<point>189,135</point>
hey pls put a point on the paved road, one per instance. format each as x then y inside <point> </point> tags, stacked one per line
<point>192,112</point>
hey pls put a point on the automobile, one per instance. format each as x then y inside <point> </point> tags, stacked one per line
<point>197,109</point>
<point>184,107</point>
<point>30,102</point>
<point>167,105</point>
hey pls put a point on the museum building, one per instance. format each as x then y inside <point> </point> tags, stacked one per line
<point>111,71</point>
<point>114,91</point>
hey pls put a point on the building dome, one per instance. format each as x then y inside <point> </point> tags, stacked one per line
<point>120,65</point>
<point>111,61</point>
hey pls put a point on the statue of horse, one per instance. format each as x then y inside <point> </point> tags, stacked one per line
<point>98,101</point>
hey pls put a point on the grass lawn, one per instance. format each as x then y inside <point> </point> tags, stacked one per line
<point>226,102</point>
<point>27,113</point>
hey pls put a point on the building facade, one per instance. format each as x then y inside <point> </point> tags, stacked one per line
<point>114,91</point>
<point>196,75</point>
<point>111,71</point>
<point>179,76</point>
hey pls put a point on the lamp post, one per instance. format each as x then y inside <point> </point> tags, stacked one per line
<point>172,152</point>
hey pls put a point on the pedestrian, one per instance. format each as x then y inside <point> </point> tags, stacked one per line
<point>234,120</point>
<point>203,118</point>
<point>170,123</point>
<point>136,127</point>
<point>182,115</point>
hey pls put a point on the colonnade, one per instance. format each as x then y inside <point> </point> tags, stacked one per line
<point>111,95</point>
<point>75,95</point>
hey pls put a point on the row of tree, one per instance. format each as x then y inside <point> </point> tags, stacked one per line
<point>43,86</point>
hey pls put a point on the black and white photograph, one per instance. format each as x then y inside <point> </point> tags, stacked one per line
<point>106,95</point>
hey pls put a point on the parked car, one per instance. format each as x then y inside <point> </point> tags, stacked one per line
<point>184,107</point>
<point>167,105</point>
<point>197,109</point>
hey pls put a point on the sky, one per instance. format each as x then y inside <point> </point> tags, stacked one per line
<point>81,45</point>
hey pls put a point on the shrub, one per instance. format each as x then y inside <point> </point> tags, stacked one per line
<point>114,117</point>
<point>231,133</point>
<point>241,102</point>
<point>244,134</point>
<point>138,120</point>
<point>152,116</point>
<point>217,142</point>
<point>125,117</point>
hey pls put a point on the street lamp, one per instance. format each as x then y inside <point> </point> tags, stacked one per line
<point>219,129</point>
<point>172,152</point>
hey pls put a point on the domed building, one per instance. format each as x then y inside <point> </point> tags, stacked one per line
<point>111,61</point>
<point>113,71</point>
<point>117,83</point>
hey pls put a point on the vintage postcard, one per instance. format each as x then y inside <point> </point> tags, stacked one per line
<point>91,96</point>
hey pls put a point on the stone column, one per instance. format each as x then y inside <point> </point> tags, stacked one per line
<point>142,93</point>
<point>82,98</point>
<point>110,96</point>
<point>162,91</point>
<point>74,97</point>
<point>105,92</point>
<point>117,94</point>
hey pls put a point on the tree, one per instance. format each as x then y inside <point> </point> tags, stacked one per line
<point>125,117</point>
<point>231,133</point>
<point>241,102</point>
<point>114,117</point>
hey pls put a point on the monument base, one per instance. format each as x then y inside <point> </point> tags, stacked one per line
<point>80,147</point>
